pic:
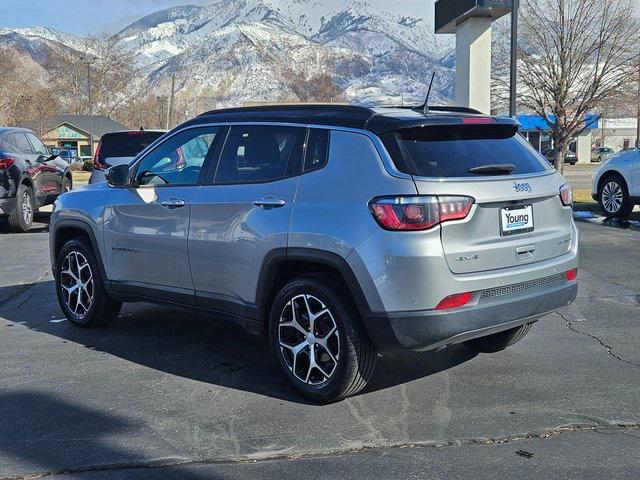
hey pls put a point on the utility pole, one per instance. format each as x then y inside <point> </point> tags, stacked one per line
<point>89,60</point>
<point>171,101</point>
<point>638,113</point>
<point>513,71</point>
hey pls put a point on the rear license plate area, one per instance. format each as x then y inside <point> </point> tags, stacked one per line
<point>516,219</point>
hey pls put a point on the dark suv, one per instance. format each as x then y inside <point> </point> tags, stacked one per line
<point>30,176</point>
<point>116,148</point>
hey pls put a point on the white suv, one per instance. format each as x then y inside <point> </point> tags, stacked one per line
<point>616,184</point>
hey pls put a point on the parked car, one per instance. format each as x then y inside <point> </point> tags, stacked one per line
<point>616,184</point>
<point>598,154</point>
<point>117,148</point>
<point>336,231</point>
<point>569,157</point>
<point>30,176</point>
<point>70,156</point>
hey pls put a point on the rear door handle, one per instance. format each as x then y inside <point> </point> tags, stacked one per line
<point>269,202</point>
<point>173,203</point>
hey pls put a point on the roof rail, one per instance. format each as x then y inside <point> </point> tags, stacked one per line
<point>325,107</point>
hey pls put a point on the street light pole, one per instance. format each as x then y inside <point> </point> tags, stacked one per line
<point>514,58</point>
<point>89,60</point>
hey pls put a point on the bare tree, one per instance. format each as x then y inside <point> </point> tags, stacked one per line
<point>574,56</point>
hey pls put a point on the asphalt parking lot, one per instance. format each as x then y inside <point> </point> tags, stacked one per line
<point>165,393</point>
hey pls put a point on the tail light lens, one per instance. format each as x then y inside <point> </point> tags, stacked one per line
<point>566,194</point>
<point>572,274</point>
<point>455,301</point>
<point>6,163</point>
<point>97,164</point>
<point>418,212</point>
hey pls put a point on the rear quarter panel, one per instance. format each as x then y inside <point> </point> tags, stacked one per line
<point>331,210</point>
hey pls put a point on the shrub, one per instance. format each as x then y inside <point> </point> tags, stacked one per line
<point>87,166</point>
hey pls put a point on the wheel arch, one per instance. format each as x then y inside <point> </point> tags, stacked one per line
<point>611,173</point>
<point>65,230</point>
<point>281,265</point>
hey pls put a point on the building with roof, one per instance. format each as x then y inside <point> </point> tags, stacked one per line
<point>73,132</point>
<point>617,133</point>
<point>535,129</point>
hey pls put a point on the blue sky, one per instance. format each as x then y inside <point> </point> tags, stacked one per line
<point>98,16</point>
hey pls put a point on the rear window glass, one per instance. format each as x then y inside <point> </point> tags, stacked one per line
<point>452,150</point>
<point>126,144</point>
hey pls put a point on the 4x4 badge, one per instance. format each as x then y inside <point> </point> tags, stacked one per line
<point>522,187</point>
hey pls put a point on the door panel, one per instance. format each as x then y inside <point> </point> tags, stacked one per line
<point>146,226</point>
<point>237,221</point>
<point>146,239</point>
<point>229,237</point>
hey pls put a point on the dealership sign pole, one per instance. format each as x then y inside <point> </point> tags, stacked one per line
<point>513,70</point>
<point>471,21</point>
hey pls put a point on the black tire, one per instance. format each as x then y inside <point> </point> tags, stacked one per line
<point>18,221</point>
<point>66,184</point>
<point>356,355</point>
<point>498,341</point>
<point>101,310</point>
<point>608,184</point>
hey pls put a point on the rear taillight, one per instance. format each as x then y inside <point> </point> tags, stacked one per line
<point>6,163</point>
<point>566,194</point>
<point>97,164</point>
<point>413,213</point>
<point>455,301</point>
<point>572,274</point>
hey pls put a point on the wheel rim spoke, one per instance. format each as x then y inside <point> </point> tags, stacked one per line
<point>309,339</point>
<point>612,197</point>
<point>76,283</point>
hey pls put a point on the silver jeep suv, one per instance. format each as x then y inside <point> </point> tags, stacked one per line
<point>337,231</point>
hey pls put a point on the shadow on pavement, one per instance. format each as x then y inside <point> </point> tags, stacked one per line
<point>44,435</point>
<point>40,223</point>
<point>200,347</point>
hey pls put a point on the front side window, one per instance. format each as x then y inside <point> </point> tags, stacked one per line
<point>38,146</point>
<point>179,160</point>
<point>260,153</point>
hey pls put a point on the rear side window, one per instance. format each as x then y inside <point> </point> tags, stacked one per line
<point>22,143</point>
<point>260,153</point>
<point>126,144</point>
<point>317,149</point>
<point>452,150</point>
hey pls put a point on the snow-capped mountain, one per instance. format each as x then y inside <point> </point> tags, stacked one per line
<point>237,51</point>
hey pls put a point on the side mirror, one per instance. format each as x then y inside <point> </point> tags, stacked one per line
<point>118,175</point>
<point>42,159</point>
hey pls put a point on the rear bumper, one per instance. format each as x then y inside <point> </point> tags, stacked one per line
<point>427,330</point>
<point>7,205</point>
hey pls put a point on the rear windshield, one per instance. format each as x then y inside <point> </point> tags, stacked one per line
<point>452,150</point>
<point>126,144</point>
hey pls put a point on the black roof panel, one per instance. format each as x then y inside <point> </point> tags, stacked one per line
<point>377,120</point>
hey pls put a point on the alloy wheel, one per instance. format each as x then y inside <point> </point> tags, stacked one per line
<point>612,196</point>
<point>76,282</point>
<point>27,208</point>
<point>309,339</point>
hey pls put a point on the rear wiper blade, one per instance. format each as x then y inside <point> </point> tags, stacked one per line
<point>493,169</point>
